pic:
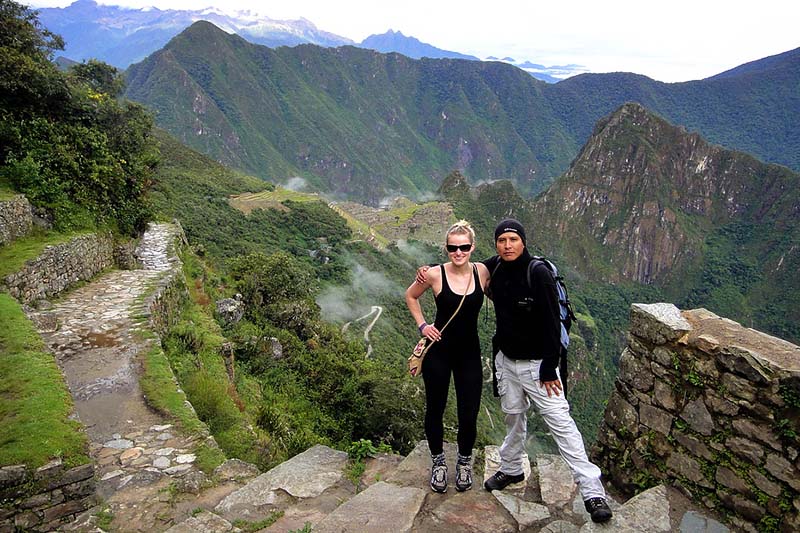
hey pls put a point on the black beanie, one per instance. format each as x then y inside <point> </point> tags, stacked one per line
<point>512,225</point>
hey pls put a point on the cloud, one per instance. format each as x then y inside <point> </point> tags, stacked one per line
<point>296,184</point>
<point>421,255</point>
<point>348,302</point>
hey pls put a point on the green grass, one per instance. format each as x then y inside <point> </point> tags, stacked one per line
<point>270,199</point>
<point>249,527</point>
<point>14,255</point>
<point>34,400</point>
<point>163,394</point>
<point>208,458</point>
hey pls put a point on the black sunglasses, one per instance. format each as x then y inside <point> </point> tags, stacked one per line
<point>463,247</point>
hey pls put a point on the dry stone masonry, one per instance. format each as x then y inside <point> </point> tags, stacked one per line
<point>16,219</point>
<point>61,266</point>
<point>711,407</point>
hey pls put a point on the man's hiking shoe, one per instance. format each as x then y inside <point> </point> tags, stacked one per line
<point>439,477</point>
<point>463,476</point>
<point>501,480</point>
<point>598,509</point>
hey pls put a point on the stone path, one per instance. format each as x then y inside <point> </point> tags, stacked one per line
<point>138,454</point>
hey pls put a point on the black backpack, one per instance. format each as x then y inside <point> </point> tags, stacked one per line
<point>566,315</point>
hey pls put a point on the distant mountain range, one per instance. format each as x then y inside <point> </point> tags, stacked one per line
<point>122,36</point>
<point>364,124</point>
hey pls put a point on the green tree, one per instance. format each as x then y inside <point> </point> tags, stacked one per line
<point>66,141</point>
<point>278,289</point>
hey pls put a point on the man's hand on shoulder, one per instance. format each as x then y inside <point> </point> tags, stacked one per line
<point>422,274</point>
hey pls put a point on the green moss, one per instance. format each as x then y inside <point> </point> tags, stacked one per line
<point>34,401</point>
<point>250,527</point>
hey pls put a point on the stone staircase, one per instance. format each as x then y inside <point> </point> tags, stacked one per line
<point>311,492</point>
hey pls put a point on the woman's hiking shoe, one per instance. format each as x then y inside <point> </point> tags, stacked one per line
<point>438,473</point>
<point>501,480</point>
<point>598,509</point>
<point>439,478</point>
<point>463,473</point>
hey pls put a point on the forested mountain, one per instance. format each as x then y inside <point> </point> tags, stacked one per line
<point>363,124</point>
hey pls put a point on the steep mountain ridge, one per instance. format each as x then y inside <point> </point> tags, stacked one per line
<point>649,202</point>
<point>353,121</point>
<point>365,125</point>
<point>395,41</point>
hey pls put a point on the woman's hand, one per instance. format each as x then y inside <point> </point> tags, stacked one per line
<point>431,333</point>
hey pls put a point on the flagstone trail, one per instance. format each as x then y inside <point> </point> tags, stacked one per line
<point>138,452</point>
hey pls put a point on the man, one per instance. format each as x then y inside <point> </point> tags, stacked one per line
<point>527,345</point>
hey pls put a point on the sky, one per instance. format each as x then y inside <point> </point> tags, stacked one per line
<point>671,41</point>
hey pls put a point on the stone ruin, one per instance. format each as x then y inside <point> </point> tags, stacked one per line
<point>711,407</point>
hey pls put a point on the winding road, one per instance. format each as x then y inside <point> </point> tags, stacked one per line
<point>375,310</point>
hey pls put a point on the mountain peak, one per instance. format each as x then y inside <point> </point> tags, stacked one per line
<point>645,192</point>
<point>395,41</point>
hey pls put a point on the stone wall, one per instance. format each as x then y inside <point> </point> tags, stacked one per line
<point>711,407</point>
<point>61,266</point>
<point>16,219</point>
<point>164,305</point>
<point>40,500</point>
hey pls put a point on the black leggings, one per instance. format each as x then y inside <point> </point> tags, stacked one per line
<point>468,380</point>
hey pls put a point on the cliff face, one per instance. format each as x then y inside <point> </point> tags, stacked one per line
<point>708,405</point>
<point>641,197</point>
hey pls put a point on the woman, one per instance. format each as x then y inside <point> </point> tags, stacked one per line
<point>456,350</point>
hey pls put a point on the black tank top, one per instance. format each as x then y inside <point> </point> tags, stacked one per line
<point>462,332</point>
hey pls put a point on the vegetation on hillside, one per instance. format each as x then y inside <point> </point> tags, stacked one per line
<point>77,152</point>
<point>84,159</point>
<point>365,125</point>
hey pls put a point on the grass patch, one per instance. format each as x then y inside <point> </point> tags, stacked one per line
<point>250,527</point>
<point>104,519</point>
<point>269,199</point>
<point>208,458</point>
<point>34,400</point>
<point>14,255</point>
<point>163,394</point>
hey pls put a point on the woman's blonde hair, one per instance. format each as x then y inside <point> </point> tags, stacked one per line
<point>462,227</point>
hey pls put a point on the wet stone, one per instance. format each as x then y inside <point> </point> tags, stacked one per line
<point>131,454</point>
<point>112,474</point>
<point>119,444</point>
<point>179,469</point>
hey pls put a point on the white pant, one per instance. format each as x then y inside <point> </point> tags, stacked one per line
<point>518,384</point>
